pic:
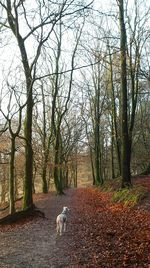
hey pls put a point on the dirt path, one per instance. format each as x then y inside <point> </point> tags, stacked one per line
<point>35,244</point>
<point>100,235</point>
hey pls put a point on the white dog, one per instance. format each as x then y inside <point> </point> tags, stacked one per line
<point>61,221</point>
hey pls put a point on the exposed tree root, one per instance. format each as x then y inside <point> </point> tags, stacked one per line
<point>21,215</point>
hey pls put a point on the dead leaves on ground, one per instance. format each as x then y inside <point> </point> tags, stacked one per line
<point>100,233</point>
<point>109,235</point>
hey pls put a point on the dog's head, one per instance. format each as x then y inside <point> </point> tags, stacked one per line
<point>66,209</point>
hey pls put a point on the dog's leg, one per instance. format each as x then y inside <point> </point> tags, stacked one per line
<point>65,226</point>
<point>58,224</point>
<point>57,228</point>
<point>61,228</point>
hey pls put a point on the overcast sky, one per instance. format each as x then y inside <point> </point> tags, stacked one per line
<point>10,56</point>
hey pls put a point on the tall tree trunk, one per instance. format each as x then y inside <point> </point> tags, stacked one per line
<point>28,199</point>
<point>97,155</point>
<point>45,147</point>
<point>114,114</point>
<point>91,154</point>
<point>57,177</point>
<point>4,181</point>
<point>44,180</point>
<point>65,174</point>
<point>44,164</point>
<point>11,178</point>
<point>134,72</point>
<point>92,166</point>
<point>112,151</point>
<point>76,169</point>
<point>14,25</point>
<point>125,150</point>
<point>98,173</point>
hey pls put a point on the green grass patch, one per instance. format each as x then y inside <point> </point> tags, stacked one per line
<point>129,197</point>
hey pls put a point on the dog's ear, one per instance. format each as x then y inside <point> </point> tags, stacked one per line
<point>66,209</point>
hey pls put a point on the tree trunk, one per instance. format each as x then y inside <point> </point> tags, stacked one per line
<point>28,199</point>
<point>14,25</point>
<point>45,147</point>
<point>4,182</point>
<point>11,178</point>
<point>112,151</point>
<point>92,166</point>
<point>57,177</point>
<point>114,114</point>
<point>44,180</point>
<point>98,175</point>
<point>76,170</point>
<point>125,150</point>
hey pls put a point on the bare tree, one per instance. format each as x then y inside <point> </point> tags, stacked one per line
<point>39,24</point>
<point>58,112</point>
<point>125,146</point>
<point>14,129</point>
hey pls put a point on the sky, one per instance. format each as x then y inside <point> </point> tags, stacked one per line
<point>10,58</point>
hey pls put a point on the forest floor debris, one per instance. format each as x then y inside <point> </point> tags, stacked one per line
<point>100,233</point>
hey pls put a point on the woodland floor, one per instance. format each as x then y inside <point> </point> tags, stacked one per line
<point>100,233</point>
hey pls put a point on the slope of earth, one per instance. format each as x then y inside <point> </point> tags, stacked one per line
<point>144,181</point>
<point>100,234</point>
